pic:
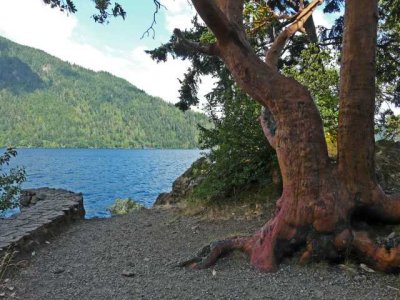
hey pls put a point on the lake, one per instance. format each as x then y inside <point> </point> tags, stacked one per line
<point>103,175</point>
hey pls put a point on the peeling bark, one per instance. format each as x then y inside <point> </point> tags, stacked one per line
<point>320,200</point>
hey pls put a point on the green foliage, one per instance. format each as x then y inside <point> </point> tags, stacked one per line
<point>318,71</point>
<point>240,155</point>
<point>124,206</point>
<point>10,181</point>
<point>45,102</point>
<point>391,128</point>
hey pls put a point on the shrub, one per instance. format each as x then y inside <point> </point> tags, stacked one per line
<point>124,206</point>
<point>10,181</point>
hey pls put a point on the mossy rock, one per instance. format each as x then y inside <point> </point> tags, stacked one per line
<point>124,206</point>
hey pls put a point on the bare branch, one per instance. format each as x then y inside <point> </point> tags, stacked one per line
<point>273,54</point>
<point>208,49</point>
<point>151,30</point>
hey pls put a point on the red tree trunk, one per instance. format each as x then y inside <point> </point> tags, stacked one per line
<point>316,211</point>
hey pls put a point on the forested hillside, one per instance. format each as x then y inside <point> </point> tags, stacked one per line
<point>45,102</point>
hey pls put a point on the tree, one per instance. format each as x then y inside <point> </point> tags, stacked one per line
<point>323,204</point>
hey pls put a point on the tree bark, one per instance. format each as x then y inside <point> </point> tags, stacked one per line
<point>356,165</point>
<point>319,199</point>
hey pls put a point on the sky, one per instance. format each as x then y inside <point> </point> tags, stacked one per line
<point>116,47</point>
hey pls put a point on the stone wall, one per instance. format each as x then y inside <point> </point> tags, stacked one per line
<point>44,212</point>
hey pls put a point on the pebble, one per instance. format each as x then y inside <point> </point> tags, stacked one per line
<point>128,273</point>
<point>59,270</point>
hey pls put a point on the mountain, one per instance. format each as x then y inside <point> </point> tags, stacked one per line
<point>46,102</point>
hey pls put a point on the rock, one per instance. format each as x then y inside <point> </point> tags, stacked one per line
<point>183,185</point>
<point>128,273</point>
<point>59,270</point>
<point>25,198</point>
<point>391,235</point>
<point>34,199</point>
<point>41,196</point>
<point>366,269</point>
<point>162,199</point>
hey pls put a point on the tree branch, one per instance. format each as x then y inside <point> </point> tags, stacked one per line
<point>274,53</point>
<point>215,19</point>
<point>208,49</point>
<point>233,9</point>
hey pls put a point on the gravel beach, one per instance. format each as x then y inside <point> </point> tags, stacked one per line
<point>134,257</point>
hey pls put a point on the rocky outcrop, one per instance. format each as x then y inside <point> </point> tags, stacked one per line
<point>31,197</point>
<point>183,185</point>
<point>44,212</point>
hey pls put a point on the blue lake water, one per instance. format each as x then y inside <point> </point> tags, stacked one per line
<point>103,175</point>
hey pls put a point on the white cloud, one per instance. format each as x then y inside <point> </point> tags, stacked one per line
<point>179,14</point>
<point>35,24</point>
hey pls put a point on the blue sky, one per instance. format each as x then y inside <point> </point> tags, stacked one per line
<point>116,47</point>
<point>121,34</point>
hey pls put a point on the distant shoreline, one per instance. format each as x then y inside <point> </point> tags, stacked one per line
<point>95,148</point>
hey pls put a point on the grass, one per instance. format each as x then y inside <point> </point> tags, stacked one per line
<point>252,202</point>
<point>6,262</point>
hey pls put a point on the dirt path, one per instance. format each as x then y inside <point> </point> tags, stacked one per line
<point>88,259</point>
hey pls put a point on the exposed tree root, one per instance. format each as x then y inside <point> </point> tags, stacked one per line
<point>209,254</point>
<point>277,239</point>
<point>379,257</point>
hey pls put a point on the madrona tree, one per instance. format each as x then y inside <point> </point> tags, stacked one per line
<point>323,204</point>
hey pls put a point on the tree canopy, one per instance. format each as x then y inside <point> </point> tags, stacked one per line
<point>46,102</point>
